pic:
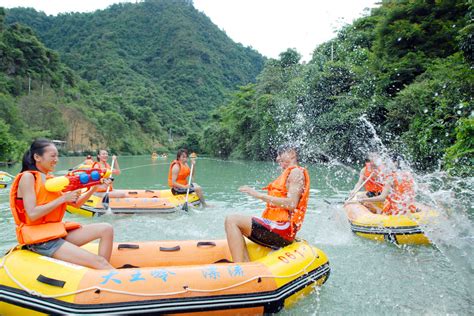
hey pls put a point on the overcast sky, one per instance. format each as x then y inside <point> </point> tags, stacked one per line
<point>269,26</point>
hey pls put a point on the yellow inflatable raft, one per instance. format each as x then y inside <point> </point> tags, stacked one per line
<point>5,179</point>
<point>137,201</point>
<point>163,277</point>
<point>399,229</point>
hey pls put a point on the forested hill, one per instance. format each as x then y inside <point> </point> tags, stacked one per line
<point>401,77</point>
<point>156,65</point>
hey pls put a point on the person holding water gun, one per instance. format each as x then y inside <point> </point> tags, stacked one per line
<point>101,163</point>
<point>38,213</point>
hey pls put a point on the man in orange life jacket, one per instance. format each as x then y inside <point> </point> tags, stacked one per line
<point>38,213</point>
<point>398,194</point>
<point>179,173</point>
<point>286,200</point>
<point>371,175</point>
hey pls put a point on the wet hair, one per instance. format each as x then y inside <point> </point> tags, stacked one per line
<point>37,147</point>
<point>180,152</point>
<point>286,147</point>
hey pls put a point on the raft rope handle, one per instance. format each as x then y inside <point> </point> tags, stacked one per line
<point>187,289</point>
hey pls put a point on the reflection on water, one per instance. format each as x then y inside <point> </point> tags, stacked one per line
<point>366,278</point>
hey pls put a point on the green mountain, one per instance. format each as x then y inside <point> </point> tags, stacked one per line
<point>154,66</point>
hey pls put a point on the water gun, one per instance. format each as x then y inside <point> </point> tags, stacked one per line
<point>77,179</point>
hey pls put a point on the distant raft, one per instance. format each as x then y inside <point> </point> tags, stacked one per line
<point>163,277</point>
<point>398,229</point>
<point>5,179</point>
<point>137,201</point>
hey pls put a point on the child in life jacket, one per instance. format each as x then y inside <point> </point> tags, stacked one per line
<point>287,200</point>
<point>38,213</point>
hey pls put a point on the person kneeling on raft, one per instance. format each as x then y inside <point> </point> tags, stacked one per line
<point>287,200</point>
<point>179,173</point>
<point>38,213</point>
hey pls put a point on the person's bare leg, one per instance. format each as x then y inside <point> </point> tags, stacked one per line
<point>200,194</point>
<point>87,233</point>
<point>236,227</point>
<point>71,253</point>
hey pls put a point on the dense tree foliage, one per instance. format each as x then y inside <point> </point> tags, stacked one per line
<point>135,75</point>
<point>402,73</point>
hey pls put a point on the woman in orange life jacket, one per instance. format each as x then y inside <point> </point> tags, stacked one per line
<point>398,194</point>
<point>38,213</point>
<point>178,176</point>
<point>286,200</point>
<point>102,157</point>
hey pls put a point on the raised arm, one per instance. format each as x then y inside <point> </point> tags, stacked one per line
<point>295,185</point>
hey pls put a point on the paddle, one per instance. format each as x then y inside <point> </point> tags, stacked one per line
<point>353,194</point>
<point>106,199</point>
<point>185,205</point>
<point>359,187</point>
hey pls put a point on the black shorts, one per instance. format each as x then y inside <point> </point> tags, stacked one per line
<point>372,194</point>
<point>270,234</point>
<point>177,191</point>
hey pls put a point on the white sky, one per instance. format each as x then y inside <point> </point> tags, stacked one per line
<point>269,26</point>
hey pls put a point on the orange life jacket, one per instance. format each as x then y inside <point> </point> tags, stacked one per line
<point>373,184</point>
<point>401,198</point>
<point>100,165</point>
<point>89,162</point>
<point>183,174</point>
<point>278,188</point>
<point>49,226</point>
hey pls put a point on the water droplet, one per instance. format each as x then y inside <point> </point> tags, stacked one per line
<point>399,39</point>
<point>458,112</point>
<point>435,140</point>
<point>425,111</point>
<point>436,94</point>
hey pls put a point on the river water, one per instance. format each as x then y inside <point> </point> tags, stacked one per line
<point>366,277</point>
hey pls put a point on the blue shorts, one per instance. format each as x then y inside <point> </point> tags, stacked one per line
<point>47,248</point>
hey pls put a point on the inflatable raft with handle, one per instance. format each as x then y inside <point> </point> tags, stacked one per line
<point>163,277</point>
<point>398,229</point>
<point>137,201</point>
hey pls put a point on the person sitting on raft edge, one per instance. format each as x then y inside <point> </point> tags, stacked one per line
<point>101,163</point>
<point>38,213</point>
<point>287,200</point>
<point>398,194</point>
<point>178,176</point>
<point>371,174</point>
